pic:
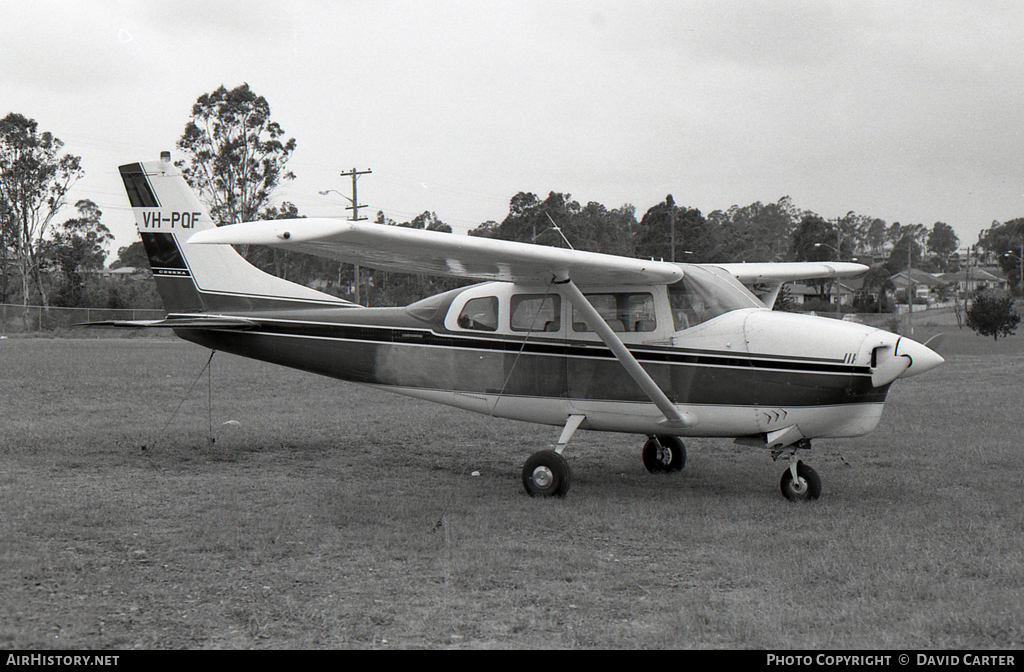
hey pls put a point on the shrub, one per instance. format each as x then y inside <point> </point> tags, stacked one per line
<point>993,315</point>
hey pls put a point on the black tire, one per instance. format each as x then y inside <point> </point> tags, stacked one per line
<point>806,489</point>
<point>546,474</point>
<point>665,454</point>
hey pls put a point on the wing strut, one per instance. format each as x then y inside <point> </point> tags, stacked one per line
<point>674,419</point>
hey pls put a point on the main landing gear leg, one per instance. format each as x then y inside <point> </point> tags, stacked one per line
<point>799,482</point>
<point>546,473</point>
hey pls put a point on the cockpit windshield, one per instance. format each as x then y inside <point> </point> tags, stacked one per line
<point>705,292</point>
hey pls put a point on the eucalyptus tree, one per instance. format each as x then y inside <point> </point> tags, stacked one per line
<point>675,233</point>
<point>235,154</point>
<point>76,247</point>
<point>34,181</point>
<point>756,232</point>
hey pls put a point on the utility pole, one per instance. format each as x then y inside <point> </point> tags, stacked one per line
<point>354,174</point>
<point>967,279</point>
<point>673,234</point>
<point>910,285</point>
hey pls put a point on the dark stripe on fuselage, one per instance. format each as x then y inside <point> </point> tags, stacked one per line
<point>426,359</point>
<point>645,354</point>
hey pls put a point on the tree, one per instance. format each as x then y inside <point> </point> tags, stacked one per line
<point>872,233</point>
<point>426,220</point>
<point>668,231</point>
<point>908,235</point>
<point>1006,242</point>
<point>943,243</point>
<point>131,256</point>
<point>757,232</point>
<point>236,156</point>
<point>76,248</point>
<point>34,181</point>
<point>894,233</point>
<point>531,220</point>
<point>598,229</point>
<point>993,315</point>
<point>488,229</point>
<point>874,294</point>
<point>814,240</point>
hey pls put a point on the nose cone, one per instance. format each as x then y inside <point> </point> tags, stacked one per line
<point>922,358</point>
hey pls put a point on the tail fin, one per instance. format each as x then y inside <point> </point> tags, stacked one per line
<point>200,278</point>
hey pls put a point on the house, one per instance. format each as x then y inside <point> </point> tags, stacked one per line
<point>122,273</point>
<point>976,279</point>
<point>801,293</point>
<point>925,284</point>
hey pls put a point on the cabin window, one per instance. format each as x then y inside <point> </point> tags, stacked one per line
<point>480,314</point>
<point>623,312</point>
<point>536,312</point>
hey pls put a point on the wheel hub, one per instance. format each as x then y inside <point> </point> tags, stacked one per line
<point>543,477</point>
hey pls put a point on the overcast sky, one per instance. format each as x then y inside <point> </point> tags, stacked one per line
<point>907,111</point>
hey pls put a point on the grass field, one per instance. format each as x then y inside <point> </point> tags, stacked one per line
<point>330,515</point>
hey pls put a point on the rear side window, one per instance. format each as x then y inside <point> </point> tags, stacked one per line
<point>623,312</point>
<point>536,312</point>
<point>480,314</point>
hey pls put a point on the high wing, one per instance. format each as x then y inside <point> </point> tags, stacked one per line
<point>395,248</point>
<point>766,279</point>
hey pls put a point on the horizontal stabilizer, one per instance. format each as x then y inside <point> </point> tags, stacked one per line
<point>190,322</point>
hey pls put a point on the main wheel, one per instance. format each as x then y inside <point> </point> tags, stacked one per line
<point>546,474</point>
<point>806,487</point>
<point>663,454</point>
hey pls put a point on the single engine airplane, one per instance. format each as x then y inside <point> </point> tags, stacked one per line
<point>550,335</point>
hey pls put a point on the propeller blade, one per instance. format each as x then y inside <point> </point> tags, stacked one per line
<point>935,342</point>
<point>890,370</point>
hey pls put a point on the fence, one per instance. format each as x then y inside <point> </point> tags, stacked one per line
<point>15,319</point>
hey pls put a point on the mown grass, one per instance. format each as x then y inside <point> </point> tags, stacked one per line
<point>332,515</point>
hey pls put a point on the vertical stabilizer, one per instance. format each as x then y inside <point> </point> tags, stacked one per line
<point>200,278</point>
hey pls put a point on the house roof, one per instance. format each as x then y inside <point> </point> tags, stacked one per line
<point>919,277</point>
<point>977,275</point>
